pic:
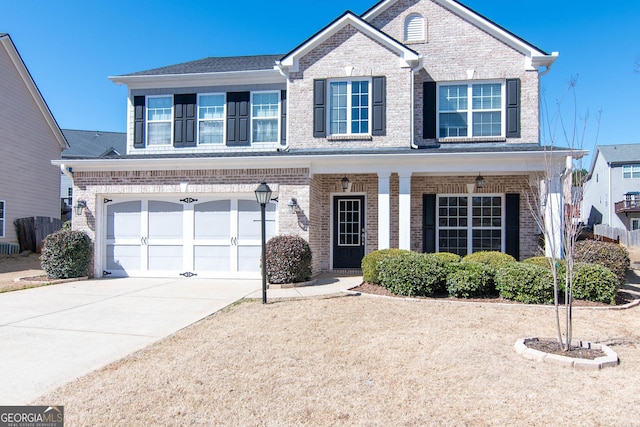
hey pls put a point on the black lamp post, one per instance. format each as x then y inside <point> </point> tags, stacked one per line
<point>263,196</point>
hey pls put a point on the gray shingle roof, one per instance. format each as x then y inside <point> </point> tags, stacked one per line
<point>620,153</point>
<point>85,144</point>
<point>215,65</point>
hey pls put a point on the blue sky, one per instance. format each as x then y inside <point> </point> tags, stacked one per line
<point>71,47</point>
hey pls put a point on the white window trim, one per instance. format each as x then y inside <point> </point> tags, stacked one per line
<point>3,218</point>
<point>470,111</point>
<point>349,82</point>
<point>278,118</point>
<point>147,121</point>
<point>470,226</point>
<point>224,119</point>
<point>631,169</point>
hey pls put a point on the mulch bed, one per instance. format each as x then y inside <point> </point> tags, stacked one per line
<point>553,347</point>
<point>366,288</point>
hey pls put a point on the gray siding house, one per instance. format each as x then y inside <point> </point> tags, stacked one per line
<point>413,125</point>
<point>612,190</point>
<point>29,140</point>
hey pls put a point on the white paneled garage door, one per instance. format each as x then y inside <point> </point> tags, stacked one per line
<point>184,236</point>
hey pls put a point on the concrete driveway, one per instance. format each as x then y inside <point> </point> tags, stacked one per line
<point>54,334</point>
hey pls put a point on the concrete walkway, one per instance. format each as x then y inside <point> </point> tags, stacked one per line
<point>54,334</point>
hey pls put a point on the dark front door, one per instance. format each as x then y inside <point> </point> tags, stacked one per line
<point>348,231</point>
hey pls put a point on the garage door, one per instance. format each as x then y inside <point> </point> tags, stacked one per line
<point>185,236</point>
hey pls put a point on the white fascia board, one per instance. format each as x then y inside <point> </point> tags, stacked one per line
<point>291,61</point>
<point>22,70</point>
<point>200,79</point>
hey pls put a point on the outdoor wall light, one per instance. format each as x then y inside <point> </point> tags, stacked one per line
<point>345,183</point>
<point>79,207</point>
<point>479,181</point>
<point>293,205</point>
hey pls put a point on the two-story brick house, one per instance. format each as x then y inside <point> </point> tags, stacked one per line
<point>414,125</point>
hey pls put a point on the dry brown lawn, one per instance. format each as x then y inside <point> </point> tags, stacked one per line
<point>360,360</point>
<point>16,266</point>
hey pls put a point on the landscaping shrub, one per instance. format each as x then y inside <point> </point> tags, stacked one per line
<point>529,282</point>
<point>450,263</point>
<point>494,259</point>
<point>410,273</point>
<point>545,262</point>
<point>371,261</point>
<point>610,255</point>
<point>66,254</point>
<point>471,279</point>
<point>594,282</point>
<point>288,259</point>
<point>447,257</point>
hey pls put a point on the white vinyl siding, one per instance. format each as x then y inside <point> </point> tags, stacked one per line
<point>159,118</point>
<point>211,115</point>
<point>414,28</point>
<point>471,110</point>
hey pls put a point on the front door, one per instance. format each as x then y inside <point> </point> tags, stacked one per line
<point>348,231</point>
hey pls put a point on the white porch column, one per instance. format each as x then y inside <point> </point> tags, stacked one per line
<point>384,211</point>
<point>551,194</point>
<point>404,211</point>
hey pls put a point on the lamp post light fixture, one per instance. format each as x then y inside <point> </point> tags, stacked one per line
<point>79,207</point>
<point>263,196</point>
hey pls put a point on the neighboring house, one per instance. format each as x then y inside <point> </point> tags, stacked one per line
<point>29,140</point>
<point>612,189</point>
<point>87,144</point>
<point>414,125</point>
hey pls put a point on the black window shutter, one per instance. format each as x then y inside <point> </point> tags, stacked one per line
<point>138,121</point>
<point>428,223</point>
<point>513,108</point>
<point>378,103</point>
<point>512,225</point>
<point>184,120</point>
<point>429,112</point>
<point>319,108</point>
<point>238,119</point>
<point>283,117</point>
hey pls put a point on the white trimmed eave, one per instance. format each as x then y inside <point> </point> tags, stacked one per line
<point>534,58</point>
<point>290,63</point>
<point>199,79</point>
<point>22,70</point>
<point>426,163</point>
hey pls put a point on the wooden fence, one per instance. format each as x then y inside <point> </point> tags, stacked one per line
<point>624,237</point>
<point>32,231</point>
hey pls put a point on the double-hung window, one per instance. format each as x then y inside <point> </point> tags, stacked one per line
<point>211,119</point>
<point>630,171</point>
<point>159,114</point>
<point>471,110</point>
<point>468,224</point>
<point>264,116</point>
<point>2,217</point>
<point>349,105</point>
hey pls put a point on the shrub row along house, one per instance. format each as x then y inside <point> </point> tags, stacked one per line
<point>413,125</point>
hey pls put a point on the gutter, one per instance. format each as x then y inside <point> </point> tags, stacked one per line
<point>68,171</point>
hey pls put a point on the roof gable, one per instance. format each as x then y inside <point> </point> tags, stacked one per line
<point>290,62</point>
<point>536,57</point>
<point>21,68</point>
<point>94,144</point>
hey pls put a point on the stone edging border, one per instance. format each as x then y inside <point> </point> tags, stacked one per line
<point>610,360</point>
<point>313,282</point>
<point>50,282</point>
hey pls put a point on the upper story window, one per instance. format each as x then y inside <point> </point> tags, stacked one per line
<point>264,116</point>
<point>2,216</point>
<point>414,28</point>
<point>349,107</point>
<point>471,110</point>
<point>159,112</point>
<point>211,119</point>
<point>630,171</point>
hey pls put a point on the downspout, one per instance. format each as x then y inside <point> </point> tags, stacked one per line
<point>281,70</point>
<point>67,171</point>
<point>609,199</point>
<point>412,95</point>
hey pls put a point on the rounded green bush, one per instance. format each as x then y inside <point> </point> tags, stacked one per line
<point>447,257</point>
<point>410,273</point>
<point>471,279</point>
<point>66,254</point>
<point>494,259</point>
<point>593,282</point>
<point>371,261</point>
<point>288,259</point>
<point>526,282</point>
<point>610,255</point>
<point>545,262</point>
